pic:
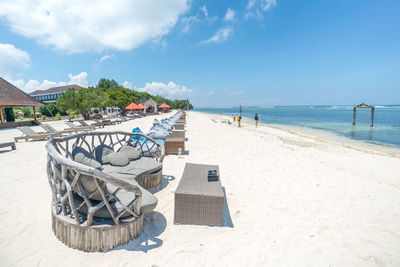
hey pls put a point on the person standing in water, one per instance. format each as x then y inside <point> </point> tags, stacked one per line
<point>256,119</point>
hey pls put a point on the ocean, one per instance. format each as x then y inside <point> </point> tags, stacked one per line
<point>333,119</point>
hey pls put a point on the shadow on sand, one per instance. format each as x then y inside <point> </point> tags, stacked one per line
<point>6,150</point>
<point>226,219</point>
<point>154,224</point>
<point>164,183</point>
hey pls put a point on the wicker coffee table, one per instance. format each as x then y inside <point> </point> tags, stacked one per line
<point>172,145</point>
<point>198,201</point>
<point>179,126</point>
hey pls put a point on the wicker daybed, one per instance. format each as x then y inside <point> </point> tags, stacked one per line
<point>96,209</point>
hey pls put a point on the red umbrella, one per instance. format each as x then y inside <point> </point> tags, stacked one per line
<point>164,106</point>
<point>141,106</point>
<point>132,106</point>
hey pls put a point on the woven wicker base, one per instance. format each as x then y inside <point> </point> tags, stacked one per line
<point>150,180</point>
<point>96,237</point>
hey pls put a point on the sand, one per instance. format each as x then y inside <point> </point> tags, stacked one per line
<point>293,200</point>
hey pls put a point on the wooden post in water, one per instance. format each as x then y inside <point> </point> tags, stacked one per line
<point>372,116</point>
<point>354,115</point>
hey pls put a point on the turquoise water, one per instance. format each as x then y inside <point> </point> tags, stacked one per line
<point>334,119</point>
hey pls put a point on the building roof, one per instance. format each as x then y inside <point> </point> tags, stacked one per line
<point>12,96</point>
<point>57,89</point>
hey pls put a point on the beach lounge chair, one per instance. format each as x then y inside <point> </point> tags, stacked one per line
<point>96,124</point>
<point>108,122</point>
<point>97,206</point>
<point>28,133</point>
<point>10,144</point>
<point>74,126</point>
<point>104,122</point>
<point>50,129</point>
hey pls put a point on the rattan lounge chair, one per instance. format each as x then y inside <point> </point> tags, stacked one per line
<point>82,128</point>
<point>94,209</point>
<point>28,133</point>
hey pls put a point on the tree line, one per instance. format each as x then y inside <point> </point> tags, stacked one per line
<point>107,93</point>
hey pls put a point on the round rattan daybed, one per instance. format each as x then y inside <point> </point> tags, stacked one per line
<point>92,210</point>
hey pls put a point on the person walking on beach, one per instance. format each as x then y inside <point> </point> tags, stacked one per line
<point>238,120</point>
<point>256,119</point>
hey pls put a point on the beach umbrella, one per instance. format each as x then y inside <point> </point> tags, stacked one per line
<point>164,106</point>
<point>132,106</point>
<point>141,106</point>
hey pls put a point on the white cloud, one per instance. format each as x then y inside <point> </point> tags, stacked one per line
<point>128,85</point>
<point>80,26</point>
<point>204,9</point>
<point>220,36</point>
<point>32,85</point>
<point>13,59</point>
<point>230,15</point>
<point>103,58</point>
<point>167,90</point>
<point>188,21</point>
<point>231,93</point>
<point>208,93</point>
<point>255,8</point>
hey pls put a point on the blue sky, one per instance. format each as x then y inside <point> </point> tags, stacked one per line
<point>216,53</point>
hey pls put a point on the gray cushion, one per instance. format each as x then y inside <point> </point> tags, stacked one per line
<point>149,202</point>
<point>144,165</point>
<point>84,157</point>
<point>156,134</point>
<point>80,155</point>
<point>116,159</point>
<point>106,155</point>
<point>131,152</point>
<point>101,151</point>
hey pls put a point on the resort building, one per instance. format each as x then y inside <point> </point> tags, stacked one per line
<point>52,94</point>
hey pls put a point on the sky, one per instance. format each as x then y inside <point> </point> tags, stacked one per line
<point>216,53</point>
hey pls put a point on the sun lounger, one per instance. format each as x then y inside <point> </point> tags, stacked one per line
<point>107,122</point>
<point>96,124</point>
<point>28,133</point>
<point>50,129</point>
<point>104,122</point>
<point>11,144</point>
<point>82,128</point>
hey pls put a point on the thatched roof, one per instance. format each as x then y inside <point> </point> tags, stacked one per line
<point>12,96</point>
<point>148,102</point>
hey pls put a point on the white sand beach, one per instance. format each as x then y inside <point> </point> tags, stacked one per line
<point>293,200</point>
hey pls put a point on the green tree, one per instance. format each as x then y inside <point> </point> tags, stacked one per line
<point>27,112</point>
<point>50,110</point>
<point>120,97</point>
<point>106,83</point>
<point>83,100</point>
